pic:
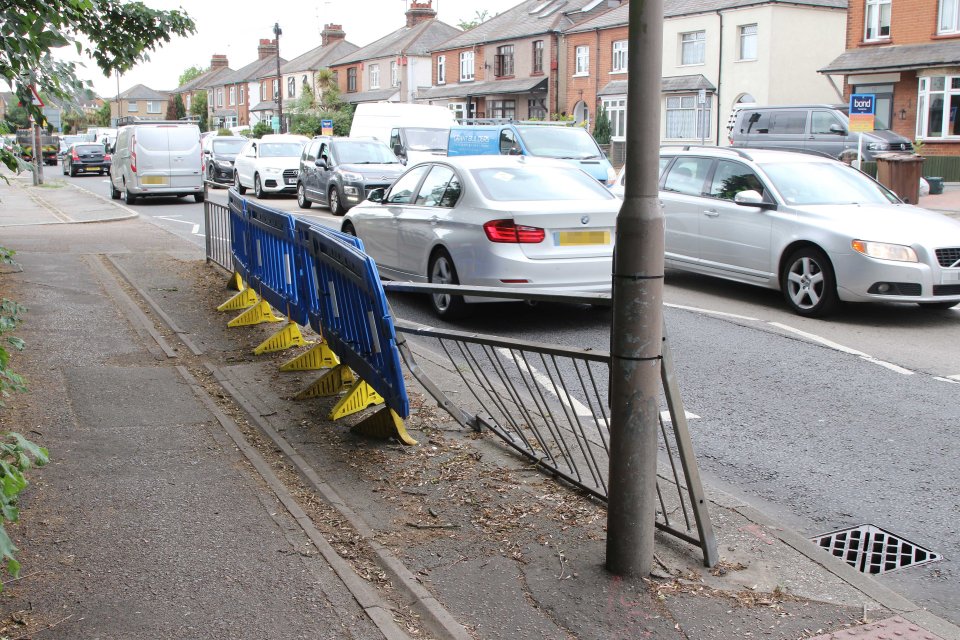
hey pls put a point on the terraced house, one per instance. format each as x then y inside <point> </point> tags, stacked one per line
<point>301,72</point>
<point>219,68</point>
<point>246,96</point>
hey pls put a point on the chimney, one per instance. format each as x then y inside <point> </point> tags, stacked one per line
<point>332,33</point>
<point>218,61</point>
<point>420,12</point>
<point>266,49</point>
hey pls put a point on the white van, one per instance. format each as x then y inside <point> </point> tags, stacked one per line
<point>414,132</point>
<point>157,159</point>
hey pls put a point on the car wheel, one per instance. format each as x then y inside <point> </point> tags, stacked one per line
<point>63,168</point>
<point>129,197</point>
<point>808,283</point>
<point>938,306</point>
<point>198,197</point>
<point>210,173</point>
<point>257,186</point>
<point>73,172</point>
<point>114,192</point>
<point>333,198</point>
<point>348,229</point>
<point>236,182</point>
<point>302,200</point>
<point>442,271</point>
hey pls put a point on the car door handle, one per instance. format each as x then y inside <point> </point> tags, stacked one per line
<point>713,213</point>
<point>434,220</point>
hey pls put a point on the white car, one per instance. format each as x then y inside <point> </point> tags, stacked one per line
<point>269,164</point>
<point>491,221</point>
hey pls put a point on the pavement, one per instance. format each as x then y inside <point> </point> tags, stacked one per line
<point>189,496</point>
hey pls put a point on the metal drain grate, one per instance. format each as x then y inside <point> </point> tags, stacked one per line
<point>870,549</point>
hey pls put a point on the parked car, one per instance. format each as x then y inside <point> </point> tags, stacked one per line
<point>156,158</point>
<point>219,154</point>
<point>85,157</point>
<point>490,221</point>
<point>66,141</point>
<point>340,172</point>
<point>816,229</point>
<point>822,128</point>
<point>269,164</point>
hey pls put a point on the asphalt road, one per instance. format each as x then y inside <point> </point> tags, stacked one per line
<point>823,423</point>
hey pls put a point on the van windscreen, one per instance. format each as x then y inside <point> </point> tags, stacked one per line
<point>559,142</point>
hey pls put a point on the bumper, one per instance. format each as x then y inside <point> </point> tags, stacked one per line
<point>223,176</point>
<point>84,168</point>
<point>505,266</point>
<point>863,279</point>
<point>278,184</point>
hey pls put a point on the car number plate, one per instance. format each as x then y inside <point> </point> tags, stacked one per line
<point>153,180</point>
<point>580,238</point>
<point>291,181</point>
<point>949,277</point>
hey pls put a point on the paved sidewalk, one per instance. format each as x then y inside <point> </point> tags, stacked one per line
<point>156,518</point>
<point>55,202</point>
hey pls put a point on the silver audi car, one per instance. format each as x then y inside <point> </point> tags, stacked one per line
<point>490,221</point>
<point>815,228</point>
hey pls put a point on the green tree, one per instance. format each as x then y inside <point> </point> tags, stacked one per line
<point>189,74</point>
<point>102,115</point>
<point>479,16</point>
<point>261,129</point>
<point>199,108</point>
<point>18,117</point>
<point>179,109</point>
<point>117,35</point>
<point>601,128</point>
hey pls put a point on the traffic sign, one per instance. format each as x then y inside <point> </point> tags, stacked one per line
<point>35,100</point>
<point>863,110</point>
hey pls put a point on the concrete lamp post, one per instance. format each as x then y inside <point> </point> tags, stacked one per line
<point>277,32</point>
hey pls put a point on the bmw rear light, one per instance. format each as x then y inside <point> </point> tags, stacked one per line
<point>509,231</point>
<point>74,155</point>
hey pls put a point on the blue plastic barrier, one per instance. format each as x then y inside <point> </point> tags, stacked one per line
<point>273,269</point>
<point>239,233</point>
<point>352,313</point>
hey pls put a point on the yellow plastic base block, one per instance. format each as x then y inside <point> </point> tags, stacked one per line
<point>385,424</point>
<point>261,312</point>
<point>359,397</point>
<point>288,336</point>
<point>329,384</point>
<point>236,282</point>
<point>319,356</point>
<point>245,299</point>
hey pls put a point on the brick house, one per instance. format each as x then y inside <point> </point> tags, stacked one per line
<point>717,57</point>
<point>245,97</point>
<point>509,66</point>
<point>302,71</point>
<point>219,69</point>
<point>906,53</point>
<point>140,101</point>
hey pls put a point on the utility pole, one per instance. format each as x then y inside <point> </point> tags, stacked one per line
<point>277,32</point>
<point>637,333</point>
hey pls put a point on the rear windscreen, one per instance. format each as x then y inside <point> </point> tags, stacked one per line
<point>168,138</point>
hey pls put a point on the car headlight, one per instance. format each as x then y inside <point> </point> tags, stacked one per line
<point>352,177</point>
<point>272,170</point>
<point>885,251</point>
<point>878,146</point>
<point>224,164</point>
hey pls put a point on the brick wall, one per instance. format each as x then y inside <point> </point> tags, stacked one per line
<point>911,22</point>
<point>601,62</point>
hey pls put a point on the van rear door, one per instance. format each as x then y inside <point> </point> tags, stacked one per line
<point>185,156</point>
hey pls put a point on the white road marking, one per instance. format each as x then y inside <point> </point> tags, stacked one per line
<point>710,312</point>
<point>196,227</point>
<point>821,340</point>
<point>951,379</point>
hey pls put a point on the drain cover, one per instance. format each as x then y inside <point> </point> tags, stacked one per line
<point>870,549</point>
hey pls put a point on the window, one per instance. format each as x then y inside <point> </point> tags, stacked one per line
<point>403,190</point>
<point>693,47</point>
<point>538,56</point>
<point>503,61</point>
<point>233,96</point>
<point>937,107</point>
<point>466,65</point>
<point>619,57</point>
<point>352,79</point>
<point>132,106</point>
<point>582,65</point>
<point>878,20</point>
<point>617,112</point>
<point>821,121</point>
<point>949,16</point>
<point>748,42</point>
<point>508,143</point>
<point>687,175</point>
<point>276,88</point>
<point>536,109</point>
<point>154,106</point>
<point>219,97</point>
<point>291,87</point>
<point>243,94</point>
<point>459,109</point>
<point>730,178</point>
<point>434,190</point>
<point>441,69</point>
<point>503,109</point>
<point>263,91</point>
<point>686,118</point>
<point>394,74</point>
<point>374,76</point>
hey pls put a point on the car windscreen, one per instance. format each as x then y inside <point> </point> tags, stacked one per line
<point>364,153</point>
<point>806,183</point>
<point>230,147</point>
<point>524,184</point>
<point>280,149</point>
<point>420,139</point>
<point>559,142</point>
<point>88,148</point>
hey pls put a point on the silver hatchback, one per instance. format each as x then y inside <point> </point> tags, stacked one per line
<point>815,228</point>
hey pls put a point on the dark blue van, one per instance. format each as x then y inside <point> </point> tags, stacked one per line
<point>541,139</point>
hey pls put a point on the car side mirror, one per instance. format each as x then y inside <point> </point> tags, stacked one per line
<point>320,162</point>
<point>398,149</point>
<point>838,129</point>
<point>377,195</point>
<point>750,198</point>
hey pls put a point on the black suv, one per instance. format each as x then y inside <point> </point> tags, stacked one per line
<point>85,157</point>
<point>219,153</point>
<point>340,172</point>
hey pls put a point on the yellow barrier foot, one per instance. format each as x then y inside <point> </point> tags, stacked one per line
<point>288,336</point>
<point>243,300</point>
<point>319,356</point>
<point>256,314</point>
<point>359,397</point>
<point>236,282</point>
<point>329,384</point>
<point>384,425</point>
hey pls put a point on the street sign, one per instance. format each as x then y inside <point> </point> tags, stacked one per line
<point>35,100</point>
<point>275,123</point>
<point>863,110</point>
<point>326,127</point>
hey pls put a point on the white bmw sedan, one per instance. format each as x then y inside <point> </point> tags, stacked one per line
<point>492,221</point>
